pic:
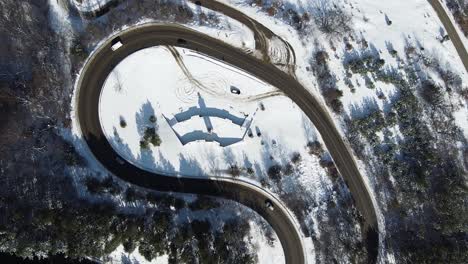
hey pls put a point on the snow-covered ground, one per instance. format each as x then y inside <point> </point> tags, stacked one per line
<point>412,21</point>
<point>266,252</point>
<point>150,82</point>
<point>91,5</point>
<point>120,256</point>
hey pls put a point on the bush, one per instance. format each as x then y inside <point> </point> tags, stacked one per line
<point>144,144</point>
<point>296,157</point>
<point>77,49</point>
<point>431,93</point>
<point>93,185</point>
<point>274,172</point>
<point>132,195</point>
<point>315,148</point>
<point>204,203</point>
<point>288,169</point>
<point>150,136</point>
<point>369,83</point>
<point>123,123</point>
<point>234,170</point>
<point>108,185</point>
<point>336,105</point>
<point>330,167</point>
<point>71,156</point>
<point>321,57</point>
<point>332,97</point>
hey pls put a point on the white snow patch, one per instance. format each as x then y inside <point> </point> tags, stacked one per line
<point>119,256</point>
<point>266,253</point>
<point>90,5</point>
<point>149,82</point>
<point>461,119</point>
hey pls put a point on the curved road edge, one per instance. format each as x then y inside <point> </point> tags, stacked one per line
<point>444,17</point>
<point>86,108</point>
<point>103,61</point>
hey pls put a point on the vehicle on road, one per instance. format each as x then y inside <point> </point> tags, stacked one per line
<point>269,204</point>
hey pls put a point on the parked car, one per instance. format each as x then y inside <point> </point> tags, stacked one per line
<point>235,90</point>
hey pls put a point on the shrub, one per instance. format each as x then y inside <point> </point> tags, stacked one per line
<point>336,105</point>
<point>144,144</point>
<point>132,195</point>
<point>234,170</point>
<point>93,185</point>
<point>108,185</point>
<point>152,137</point>
<point>357,66</point>
<point>332,94</point>
<point>123,123</point>
<point>71,156</point>
<point>321,57</point>
<point>288,169</point>
<point>296,157</point>
<point>262,107</point>
<point>315,148</point>
<point>274,172</point>
<point>369,83</point>
<point>204,203</point>
<point>431,93</point>
<point>77,49</point>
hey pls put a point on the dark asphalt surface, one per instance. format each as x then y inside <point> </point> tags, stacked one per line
<point>104,60</point>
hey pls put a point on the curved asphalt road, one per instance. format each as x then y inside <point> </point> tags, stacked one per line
<point>104,60</point>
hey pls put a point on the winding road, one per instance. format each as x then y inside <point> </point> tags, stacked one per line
<point>101,63</point>
<point>283,222</point>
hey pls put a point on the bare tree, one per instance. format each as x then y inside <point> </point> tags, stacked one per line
<point>330,18</point>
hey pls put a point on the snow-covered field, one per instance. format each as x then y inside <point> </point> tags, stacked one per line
<point>268,127</point>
